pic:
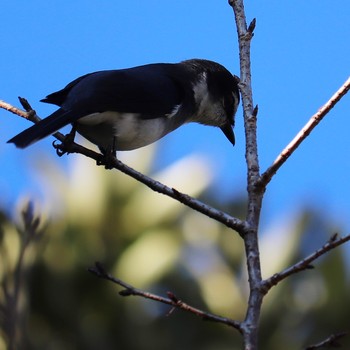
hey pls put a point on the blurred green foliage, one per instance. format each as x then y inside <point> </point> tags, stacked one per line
<point>49,301</point>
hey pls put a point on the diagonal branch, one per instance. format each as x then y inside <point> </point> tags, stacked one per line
<point>304,264</point>
<point>218,215</point>
<point>303,133</point>
<point>14,110</point>
<point>172,300</point>
<point>330,342</point>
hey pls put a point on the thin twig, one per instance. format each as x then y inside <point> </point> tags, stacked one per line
<point>13,109</point>
<point>331,341</point>
<point>172,300</point>
<point>218,215</point>
<point>303,133</point>
<point>304,264</point>
<point>34,118</point>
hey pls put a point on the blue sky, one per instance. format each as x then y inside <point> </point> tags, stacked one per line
<point>300,57</point>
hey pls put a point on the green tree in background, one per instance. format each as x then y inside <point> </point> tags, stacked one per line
<point>165,247</point>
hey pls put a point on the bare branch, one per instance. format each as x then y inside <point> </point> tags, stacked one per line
<point>13,109</point>
<point>304,264</point>
<point>218,215</point>
<point>331,341</point>
<point>255,193</point>
<point>304,133</point>
<point>172,300</point>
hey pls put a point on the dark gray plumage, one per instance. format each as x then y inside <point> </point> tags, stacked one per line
<point>131,108</point>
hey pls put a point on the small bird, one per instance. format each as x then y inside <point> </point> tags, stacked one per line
<point>130,108</point>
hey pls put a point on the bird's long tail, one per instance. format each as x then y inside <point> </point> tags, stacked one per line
<point>45,127</point>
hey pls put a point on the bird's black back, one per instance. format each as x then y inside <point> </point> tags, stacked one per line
<point>153,90</point>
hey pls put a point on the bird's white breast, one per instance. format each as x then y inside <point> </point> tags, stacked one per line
<point>129,130</point>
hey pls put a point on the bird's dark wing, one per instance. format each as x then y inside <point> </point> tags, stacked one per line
<point>151,90</point>
<point>58,97</point>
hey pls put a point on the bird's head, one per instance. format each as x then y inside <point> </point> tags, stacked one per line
<point>216,95</point>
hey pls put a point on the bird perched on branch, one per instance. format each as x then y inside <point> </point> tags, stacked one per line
<point>130,108</point>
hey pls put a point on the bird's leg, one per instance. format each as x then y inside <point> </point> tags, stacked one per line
<point>65,146</point>
<point>109,155</point>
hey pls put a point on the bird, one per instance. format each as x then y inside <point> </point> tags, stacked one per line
<point>129,108</point>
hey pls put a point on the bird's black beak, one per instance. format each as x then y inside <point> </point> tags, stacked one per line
<point>228,131</point>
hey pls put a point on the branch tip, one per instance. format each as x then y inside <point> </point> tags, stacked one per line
<point>331,341</point>
<point>170,312</point>
<point>333,238</point>
<point>98,270</point>
<point>251,26</point>
<point>25,104</point>
<point>126,292</point>
<point>172,297</point>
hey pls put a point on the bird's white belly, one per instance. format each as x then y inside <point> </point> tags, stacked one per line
<point>130,132</point>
